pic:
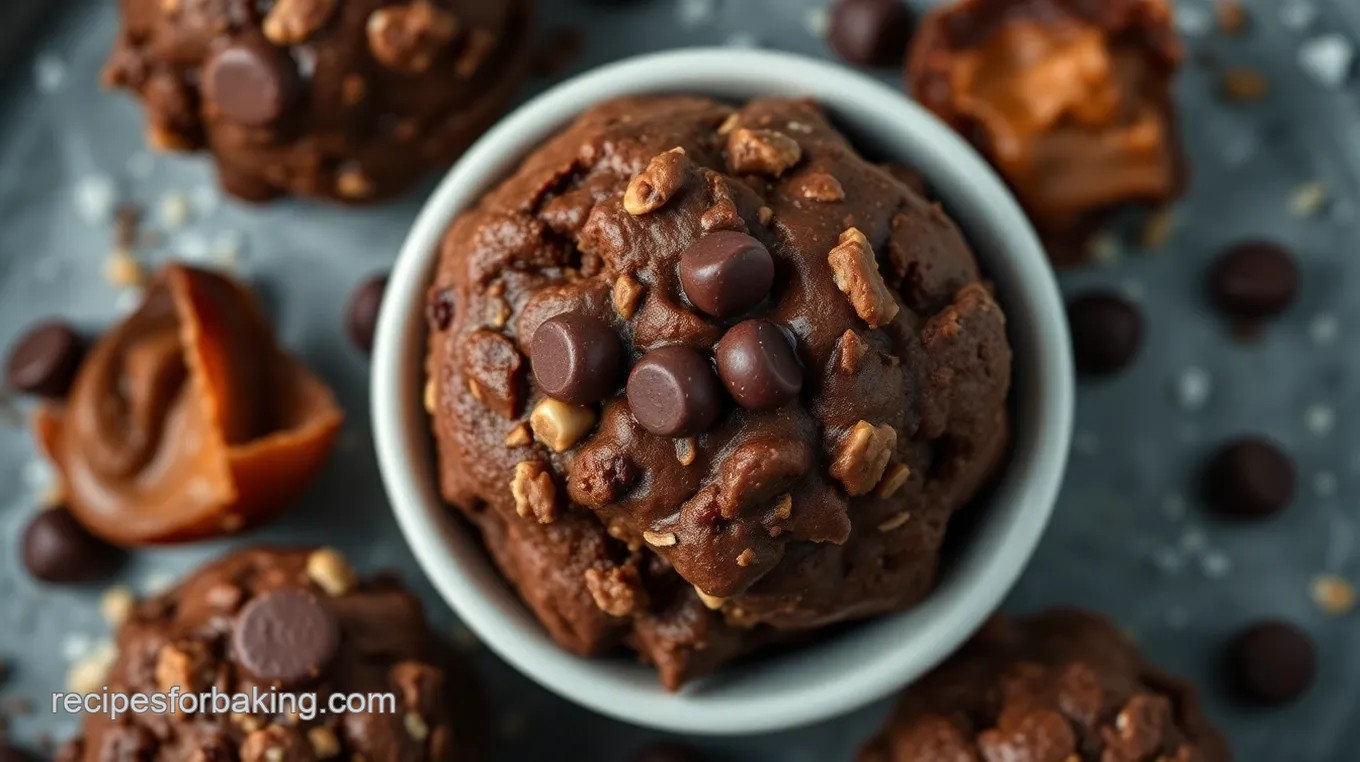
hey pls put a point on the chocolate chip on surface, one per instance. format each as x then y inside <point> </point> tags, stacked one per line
<point>286,636</point>
<point>1254,280</point>
<point>667,751</point>
<point>576,357</point>
<point>1107,332</point>
<point>726,273</point>
<point>45,360</point>
<point>56,548</point>
<point>1249,478</point>
<point>756,362</point>
<point>870,32</point>
<point>673,392</point>
<point>1271,662</point>
<point>251,84</point>
<point>361,314</point>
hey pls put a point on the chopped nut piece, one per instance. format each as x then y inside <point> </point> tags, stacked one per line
<point>116,605</point>
<point>353,183</point>
<point>178,665</point>
<point>248,722</point>
<point>1244,85</point>
<point>331,572</point>
<point>1334,595</point>
<point>895,522</point>
<point>896,475</point>
<point>855,270</point>
<point>407,38</point>
<point>416,726</point>
<point>518,436</point>
<point>1158,227</point>
<point>617,591</point>
<point>292,21</point>
<point>534,492</point>
<point>659,539</point>
<point>1308,199</point>
<point>686,451</point>
<point>123,270</point>
<point>765,215</point>
<point>324,742</point>
<point>654,186</point>
<point>560,425</point>
<point>761,152</point>
<point>823,188</point>
<point>863,456</point>
<point>784,506</point>
<point>729,124</point>
<point>713,602</point>
<point>746,558</point>
<point>850,352</point>
<point>431,396</point>
<point>627,296</point>
<point>224,596</point>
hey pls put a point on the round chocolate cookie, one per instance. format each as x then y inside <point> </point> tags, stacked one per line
<point>705,377</point>
<point>294,622</point>
<point>353,100</point>
<point>1062,685</point>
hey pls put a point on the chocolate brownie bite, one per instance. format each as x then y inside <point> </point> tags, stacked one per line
<point>294,621</point>
<point>352,100</point>
<point>1064,685</point>
<point>705,379</point>
<point>1070,101</point>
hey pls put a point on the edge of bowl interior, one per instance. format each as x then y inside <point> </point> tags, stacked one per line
<point>868,662</point>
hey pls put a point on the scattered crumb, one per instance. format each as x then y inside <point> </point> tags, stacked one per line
<point>1215,565</point>
<point>816,21</point>
<point>695,13</point>
<point>1243,85</point>
<point>1297,14</point>
<point>49,73</point>
<point>1193,387</point>
<point>1334,595</point>
<point>1307,199</point>
<point>121,269</point>
<point>1324,483</point>
<point>1323,329</point>
<point>95,198</point>
<point>87,675</point>
<point>174,210</point>
<point>1173,506</point>
<point>116,605</point>
<point>1232,17</point>
<point>1327,59</point>
<point>1319,419</point>
<point>1158,227</point>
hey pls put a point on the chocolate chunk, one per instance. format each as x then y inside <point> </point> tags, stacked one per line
<point>439,310</point>
<point>726,273</point>
<point>576,358</point>
<point>14,754</point>
<point>756,362</point>
<point>56,548</point>
<point>361,316</point>
<point>666,751</point>
<point>673,393</point>
<point>1271,662</point>
<point>870,32</point>
<point>1254,280</point>
<point>1249,478</point>
<point>45,360</point>
<point>286,636</point>
<point>1107,332</point>
<point>251,84</point>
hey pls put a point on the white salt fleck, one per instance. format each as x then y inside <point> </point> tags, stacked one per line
<point>1215,565</point>
<point>816,21</point>
<point>140,165</point>
<point>1324,483</point>
<point>95,197</point>
<point>1173,506</point>
<point>1323,329</point>
<point>1307,199</point>
<point>1193,387</point>
<point>742,40</point>
<point>174,210</point>
<point>1327,59</point>
<point>1297,14</point>
<point>1193,20</point>
<point>1319,419</point>
<point>693,13</point>
<point>49,73</point>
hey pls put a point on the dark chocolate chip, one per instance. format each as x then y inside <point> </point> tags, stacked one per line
<point>286,636</point>
<point>667,751</point>
<point>1107,332</point>
<point>1254,280</point>
<point>56,548</point>
<point>870,32</point>
<point>673,392</point>
<point>15,754</point>
<point>576,358</point>
<point>252,84</point>
<point>726,273</point>
<point>757,363</point>
<point>439,310</point>
<point>361,315</point>
<point>1249,478</point>
<point>45,360</point>
<point>1271,662</point>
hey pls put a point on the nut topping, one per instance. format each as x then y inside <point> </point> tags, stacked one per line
<point>407,38</point>
<point>560,425</point>
<point>761,152</point>
<point>855,269</point>
<point>863,456</point>
<point>292,21</point>
<point>331,572</point>
<point>654,186</point>
<point>534,492</point>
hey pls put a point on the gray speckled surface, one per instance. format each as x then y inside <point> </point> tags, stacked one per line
<point>1128,538</point>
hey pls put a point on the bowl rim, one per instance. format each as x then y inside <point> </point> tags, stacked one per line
<point>460,569</point>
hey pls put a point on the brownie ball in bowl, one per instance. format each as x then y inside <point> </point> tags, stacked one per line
<point>705,382</point>
<point>286,621</point>
<point>352,100</point>
<point>1064,685</point>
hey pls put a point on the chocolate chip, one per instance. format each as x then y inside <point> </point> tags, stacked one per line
<point>1249,478</point>
<point>1271,662</point>
<point>439,310</point>
<point>673,393</point>
<point>253,84</point>
<point>1254,280</point>
<point>56,548</point>
<point>286,636</point>
<point>726,273</point>
<point>45,360</point>
<point>361,315</point>
<point>14,754</point>
<point>757,363</point>
<point>870,32</point>
<point>1107,332</point>
<point>666,751</point>
<point>576,358</point>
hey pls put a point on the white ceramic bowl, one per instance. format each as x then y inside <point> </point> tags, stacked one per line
<point>853,668</point>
